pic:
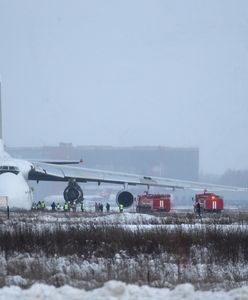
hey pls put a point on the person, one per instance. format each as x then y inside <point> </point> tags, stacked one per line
<point>198,208</point>
<point>43,205</point>
<point>39,205</point>
<point>95,206</point>
<point>53,205</point>
<point>121,207</point>
<point>101,207</point>
<point>82,205</point>
<point>58,206</point>
<point>34,206</point>
<point>66,207</point>
<point>107,207</point>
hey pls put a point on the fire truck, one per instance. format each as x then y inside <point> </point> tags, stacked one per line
<point>209,202</point>
<point>153,202</point>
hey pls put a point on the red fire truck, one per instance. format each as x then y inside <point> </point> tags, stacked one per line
<point>209,202</point>
<point>153,202</point>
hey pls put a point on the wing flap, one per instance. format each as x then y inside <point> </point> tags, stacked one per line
<point>41,171</point>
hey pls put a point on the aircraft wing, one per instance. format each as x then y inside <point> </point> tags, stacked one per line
<point>59,162</point>
<point>52,172</point>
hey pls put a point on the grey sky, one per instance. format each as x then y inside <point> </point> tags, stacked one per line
<point>170,73</point>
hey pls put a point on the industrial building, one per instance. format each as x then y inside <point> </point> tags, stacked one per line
<point>178,163</point>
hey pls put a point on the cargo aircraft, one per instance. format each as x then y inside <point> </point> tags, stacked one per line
<point>16,173</point>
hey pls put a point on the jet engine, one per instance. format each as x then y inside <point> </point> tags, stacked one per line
<point>125,198</point>
<point>73,192</point>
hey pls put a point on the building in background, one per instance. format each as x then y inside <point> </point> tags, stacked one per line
<point>178,163</point>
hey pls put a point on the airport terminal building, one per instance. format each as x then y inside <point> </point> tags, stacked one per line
<point>178,163</point>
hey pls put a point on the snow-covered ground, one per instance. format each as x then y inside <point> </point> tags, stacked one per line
<point>98,273</point>
<point>89,273</point>
<point>126,218</point>
<point>118,290</point>
<point>131,221</point>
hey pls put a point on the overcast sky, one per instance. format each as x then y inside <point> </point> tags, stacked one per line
<point>124,73</point>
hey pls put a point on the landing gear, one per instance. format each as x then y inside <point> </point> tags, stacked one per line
<point>73,192</point>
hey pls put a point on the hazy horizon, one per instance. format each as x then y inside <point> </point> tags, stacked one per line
<point>127,73</point>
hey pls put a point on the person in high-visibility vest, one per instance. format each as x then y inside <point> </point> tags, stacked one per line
<point>43,205</point>
<point>39,205</point>
<point>58,206</point>
<point>66,206</point>
<point>121,207</point>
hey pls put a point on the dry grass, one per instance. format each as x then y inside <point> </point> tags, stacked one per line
<point>105,241</point>
<point>160,256</point>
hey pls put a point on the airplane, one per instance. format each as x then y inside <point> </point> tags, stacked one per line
<point>16,173</point>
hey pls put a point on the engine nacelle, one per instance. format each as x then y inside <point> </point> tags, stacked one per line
<point>125,198</point>
<point>73,192</point>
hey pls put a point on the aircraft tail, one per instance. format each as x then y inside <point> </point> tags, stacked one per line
<point>1,131</point>
<point>3,154</point>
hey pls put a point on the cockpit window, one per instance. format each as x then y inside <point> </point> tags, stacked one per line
<point>12,169</point>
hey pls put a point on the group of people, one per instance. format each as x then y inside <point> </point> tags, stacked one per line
<point>99,207</point>
<point>41,205</point>
<point>68,206</point>
<point>56,206</point>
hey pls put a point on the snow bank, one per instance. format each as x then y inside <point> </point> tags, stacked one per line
<point>112,218</point>
<point>119,290</point>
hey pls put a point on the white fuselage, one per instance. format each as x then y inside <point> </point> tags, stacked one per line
<point>14,181</point>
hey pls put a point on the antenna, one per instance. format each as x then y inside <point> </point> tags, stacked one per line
<point>1,133</point>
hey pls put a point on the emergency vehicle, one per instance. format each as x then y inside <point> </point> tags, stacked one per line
<point>209,202</point>
<point>153,202</point>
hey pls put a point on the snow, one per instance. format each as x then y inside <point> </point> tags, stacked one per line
<point>91,273</point>
<point>15,280</point>
<point>40,221</point>
<point>118,290</point>
<point>112,218</point>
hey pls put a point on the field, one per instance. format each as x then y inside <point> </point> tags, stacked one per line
<point>86,250</point>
